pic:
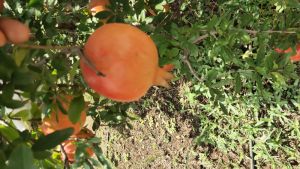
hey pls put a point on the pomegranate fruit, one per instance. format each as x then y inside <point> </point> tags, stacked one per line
<point>58,121</point>
<point>293,58</point>
<point>15,31</point>
<point>129,60</point>
<point>96,6</point>
<point>70,150</point>
<point>84,133</point>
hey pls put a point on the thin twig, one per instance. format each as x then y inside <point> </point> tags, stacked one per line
<point>254,32</point>
<point>17,118</point>
<point>268,31</point>
<point>66,160</point>
<point>66,49</point>
<point>187,62</point>
<point>46,47</point>
<point>87,61</point>
<point>252,160</point>
<point>41,62</point>
<point>202,37</point>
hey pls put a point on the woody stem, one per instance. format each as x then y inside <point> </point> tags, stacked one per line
<point>67,49</point>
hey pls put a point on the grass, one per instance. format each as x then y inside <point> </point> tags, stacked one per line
<point>208,136</point>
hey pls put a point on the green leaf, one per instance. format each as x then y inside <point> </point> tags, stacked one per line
<point>214,22</point>
<point>100,156</point>
<point>258,80</point>
<point>246,19</point>
<point>223,108</point>
<point>9,133</point>
<point>73,70</point>
<point>261,53</point>
<point>279,78</point>
<point>6,97</point>
<point>21,158</point>
<point>103,14</point>
<point>246,39</point>
<point>211,75</point>
<point>8,91</point>
<point>19,55</point>
<point>221,83</point>
<point>76,107</point>
<point>35,3</point>
<point>238,83</point>
<point>61,66</point>
<point>60,106</point>
<point>9,103</point>
<point>293,3</point>
<point>52,140</point>
<point>173,52</point>
<point>24,114</point>
<point>139,6</point>
<point>41,154</point>
<point>7,66</point>
<point>2,159</point>
<point>24,77</point>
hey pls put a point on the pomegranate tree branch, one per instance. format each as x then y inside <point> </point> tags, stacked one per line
<point>66,160</point>
<point>87,61</point>
<point>67,49</point>
<point>187,62</point>
<point>202,37</point>
<point>46,47</point>
<point>254,32</point>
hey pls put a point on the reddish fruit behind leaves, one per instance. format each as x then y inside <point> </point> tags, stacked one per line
<point>96,6</point>
<point>129,60</point>
<point>70,150</point>
<point>58,121</point>
<point>168,67</point>
<point>84,133</point>
<point>294,58</point>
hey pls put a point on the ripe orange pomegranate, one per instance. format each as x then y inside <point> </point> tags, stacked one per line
<point>129,60</point>
<point>96,6</point>
<point>70,150</point>
<point>294,58</point>
<point>15,31</point>
<point>2,39</point>
<point>58,121</point>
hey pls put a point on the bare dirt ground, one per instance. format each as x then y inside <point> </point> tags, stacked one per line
<point>153,142</point>
<point>163,138</point>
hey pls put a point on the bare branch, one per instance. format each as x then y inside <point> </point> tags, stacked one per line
<point>46,47</point>
<point>66,49</point>
<point>66,160</point>
<point>202,37</point>
<point>187,62</point>
<point>87,61</point>
<point>252,155</point>
<point>254,32</point>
